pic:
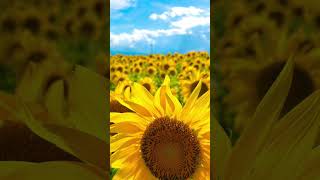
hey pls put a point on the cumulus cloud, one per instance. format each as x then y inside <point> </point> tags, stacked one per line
<point>121,4</point>
<point>178,11</point>
<point>143,35</point>
<point>181,20</point>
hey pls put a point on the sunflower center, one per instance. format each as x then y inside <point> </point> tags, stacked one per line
<point>204,87</point>
<point>18,143</point>
<point>87,28</point>
<point>9,25</point>
<point>166,66</point>
<point>150,71</point>
<point>32,24</point>
<point>172,72</point>
<point>301,87</point>
<point>170,149</point>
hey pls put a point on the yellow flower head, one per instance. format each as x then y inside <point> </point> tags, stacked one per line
<point>161,139</point>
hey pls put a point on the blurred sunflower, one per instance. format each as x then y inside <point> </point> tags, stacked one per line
<point>88,27</point>
<point>151,70</point>
<point>172,71</point>
<point>270,148</point>
<point>161,139</point>
<point>249,80</point>
<point>122,91</point>
<point>147,82</point>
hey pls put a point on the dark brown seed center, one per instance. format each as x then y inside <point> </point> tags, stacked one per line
<point>170,149</point>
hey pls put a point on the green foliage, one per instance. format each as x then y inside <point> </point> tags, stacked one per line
<point>113,172</point>
<point>7,79</point>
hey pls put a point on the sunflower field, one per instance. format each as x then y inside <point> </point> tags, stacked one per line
<point>37,31</point>
<point>177,79</point>
<point>185,71</point>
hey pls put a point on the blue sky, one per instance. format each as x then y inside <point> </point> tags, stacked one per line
<point>159,26</point>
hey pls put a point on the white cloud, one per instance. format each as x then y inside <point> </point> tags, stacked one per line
<point>142,35</point>
<point>189,22</point>
<point>121,4</point>
<point>177,12</point>
<point>181,20</point>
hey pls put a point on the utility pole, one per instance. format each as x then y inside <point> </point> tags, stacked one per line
<point>151,48</point>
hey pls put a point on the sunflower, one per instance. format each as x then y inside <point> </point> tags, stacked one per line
<point>122,91</point>
<point>236,17</point>
<point>136,70</point>
<point>88,27</point>
<point>257,75</point>
<point>121,77</point>
<point>172,71</point>
<point>188,85</point>
<point>272,148</point>
<point>99,8</point>
<point>167,64</point>
<point>161,139</point>
<point>148,83</point>
<point>25,48</point>
<point>32,21</point>
<point>114,76</point>
<point>151,70</point>
<point>68,23</point>
<point>120,68</point>
<point>51,32</point>
<point>9,21</point>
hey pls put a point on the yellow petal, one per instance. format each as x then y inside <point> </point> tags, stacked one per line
<point>311,169</point>
<point>173,102</point>
<point>289,143</point>
<point>122,157</point>
<point>221,149</point>
<point>128,117</point>
<point>84,146</point>
<point>254,136</point>
<point>126,128</point>
<point>141,96</point>
<point>159,101</point>
<point>124,142</point>
<point>137,108</point>
<point>191,100</point>
<point>88,97</point>
<point>56,103</point>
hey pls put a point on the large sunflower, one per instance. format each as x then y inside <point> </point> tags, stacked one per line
<point>249,80</point>
<point>272,148</point>
<point>160,138</point>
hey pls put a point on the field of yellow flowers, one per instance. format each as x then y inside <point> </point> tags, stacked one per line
<point>184,70</point>
<point>56,31</point>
